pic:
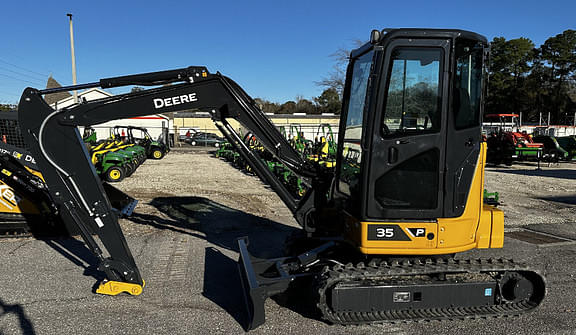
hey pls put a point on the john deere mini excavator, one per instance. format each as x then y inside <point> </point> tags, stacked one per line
<point>379,221</point>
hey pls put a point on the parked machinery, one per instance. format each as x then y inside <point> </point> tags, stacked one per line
<point>568,143</point>
<point>26,206</point>
<point>322,151</point>
<point>506,145</point>
<point>139,136</point>
<point>553,151</point>
<point>112,162</point>
<point>125,139</point>
<point>325,146</point>
<point>406,192</point>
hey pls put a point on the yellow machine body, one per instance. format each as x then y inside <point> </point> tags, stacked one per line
<point>480,226</point>
<point>110,287</point>
<point>11,202</point>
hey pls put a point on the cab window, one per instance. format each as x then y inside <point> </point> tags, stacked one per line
<point>352,152</point>
<point>413,92</point>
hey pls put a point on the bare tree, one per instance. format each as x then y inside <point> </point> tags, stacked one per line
<point>337,77</point>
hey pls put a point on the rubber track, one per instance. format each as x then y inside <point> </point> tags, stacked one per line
<point>332,276</point>
<point>12,225</point>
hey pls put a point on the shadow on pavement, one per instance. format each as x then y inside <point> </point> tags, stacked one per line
<point>25,323</point>
<point>553,173</point>
<point>565,199</point>
<point>207,220</point>
<point>222,284</point>
<point>222,226</point>
<point>218,224</point>
<point>77,252</point>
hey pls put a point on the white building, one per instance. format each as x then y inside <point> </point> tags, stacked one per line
<point>154,123</point>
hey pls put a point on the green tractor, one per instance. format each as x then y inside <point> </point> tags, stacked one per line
<point>139,136</point>
<point>112,166</point>
<point>568,143</point>
<point>116,144</point>
<point>325,147</point>
<point>299,142</point>
<point>112,163</point>
<point>553,152</point>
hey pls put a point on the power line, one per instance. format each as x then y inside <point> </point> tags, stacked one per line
<point>24,80</point>
<point>20,73</point>
<point>21,68</point>
<point>37,73</point>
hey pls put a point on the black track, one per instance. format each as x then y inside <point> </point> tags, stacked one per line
<point>13,225</point>
<point>335,275</point>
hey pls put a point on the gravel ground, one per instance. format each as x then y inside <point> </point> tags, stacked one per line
<point>192,208</point>
<point>533,196</point>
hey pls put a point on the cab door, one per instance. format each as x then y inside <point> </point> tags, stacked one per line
<point>464,133</point>
<point>405,177</point>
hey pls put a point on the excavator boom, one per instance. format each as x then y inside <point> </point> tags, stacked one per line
<point>74,184</point>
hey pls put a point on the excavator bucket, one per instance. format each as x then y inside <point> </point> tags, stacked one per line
<point>258,287</point>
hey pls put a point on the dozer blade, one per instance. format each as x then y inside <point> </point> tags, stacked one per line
<point>258,288</point>
<point>119,200</point>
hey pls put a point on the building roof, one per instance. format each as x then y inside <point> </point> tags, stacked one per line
<point>89,94</point>
<point>54,97</point>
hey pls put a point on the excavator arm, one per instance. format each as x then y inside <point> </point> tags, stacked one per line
<point>55,141</point>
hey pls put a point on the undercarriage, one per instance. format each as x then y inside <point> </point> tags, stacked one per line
<point>394,290</point>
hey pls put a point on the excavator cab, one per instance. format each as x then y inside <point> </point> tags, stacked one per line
<point>407,187</point>
<point>412,113</point>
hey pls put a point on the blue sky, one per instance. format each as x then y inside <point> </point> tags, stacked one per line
<point>274,49</point>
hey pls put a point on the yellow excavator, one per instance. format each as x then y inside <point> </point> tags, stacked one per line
<point>26,206</point>
<point>379,229</point>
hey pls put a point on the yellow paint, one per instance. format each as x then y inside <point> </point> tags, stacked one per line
<point>114,174</point>
<point>483,232</point>
<point>329,164</point>
<point>99,146</point>
<point>110,287</point>
<point>34,172</point>
<point>480,226</point>
<point>461,233</point>
<point>497,236</point>
<point>14,203</point>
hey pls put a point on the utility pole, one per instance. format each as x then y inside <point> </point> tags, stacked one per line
<point>73,58</point>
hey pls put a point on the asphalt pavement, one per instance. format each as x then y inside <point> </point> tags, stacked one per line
<point>187,255</point>
<point>192,287</point>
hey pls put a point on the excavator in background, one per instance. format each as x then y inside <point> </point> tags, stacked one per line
<point>26,206</point>
<point>380,228</point>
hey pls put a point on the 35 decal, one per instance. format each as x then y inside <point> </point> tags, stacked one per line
<point>393,232</point>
